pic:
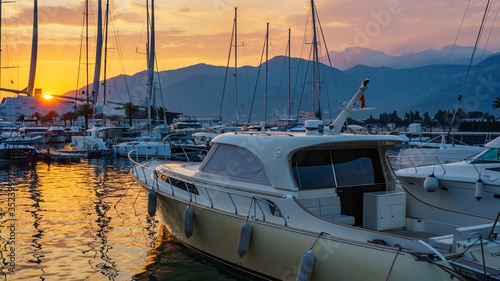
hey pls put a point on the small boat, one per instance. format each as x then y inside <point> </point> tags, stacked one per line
<point>143,148</point>
<point>17,148</point>
<point>60,156</point>
<point>97,141</point>
<point>204,137</point>
<point>31,128</point>
<point>57,134</point>
<point>183,122</point>
<point>19,140</point>
<point>307,206</point>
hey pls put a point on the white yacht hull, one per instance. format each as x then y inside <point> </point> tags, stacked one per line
<point>415,157</point>
<point>143,149</point>
<point>457,188</point>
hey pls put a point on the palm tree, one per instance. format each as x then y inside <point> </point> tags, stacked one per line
<point>68,116</point>
<point>38,116</point>
<point>130,110</point>
<point>21,117</point>
<point>50,117</point>
<point>496,102</point>
<point>85,110</point>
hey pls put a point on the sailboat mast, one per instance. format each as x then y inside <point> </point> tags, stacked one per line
<point>316,82</point>
<point>87,47</point>
<point>1,42</point>
<point>34,51</point>
<point>236,64</point>
<point>289,68</point>
<point>151,56</point>
<point>267,67</point>
<point>98,53</point>
<point>105,55</point>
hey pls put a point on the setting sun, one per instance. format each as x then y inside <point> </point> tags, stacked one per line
<point>47,96</point>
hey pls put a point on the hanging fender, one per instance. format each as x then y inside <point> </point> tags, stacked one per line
<point>152,202</point>
<point>244,239</point>
<point>431,183</point>
<point>306,266</point>
<point>188,221</point>
<point>479,189</point>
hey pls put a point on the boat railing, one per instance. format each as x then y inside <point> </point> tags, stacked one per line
<point>256,203</point>
<point>139,168</point>
<point>134,152</point>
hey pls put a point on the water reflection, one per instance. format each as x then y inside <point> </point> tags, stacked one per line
<point>82,221</point>
<point>87,221</point>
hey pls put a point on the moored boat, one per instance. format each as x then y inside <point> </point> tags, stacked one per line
<point>283,188</point>
<point>471,186</point>
<point>428,153</point>
<point>17,148</point>
<point>312,206</point>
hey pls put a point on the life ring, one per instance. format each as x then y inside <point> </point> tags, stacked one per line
<point>203,138</point>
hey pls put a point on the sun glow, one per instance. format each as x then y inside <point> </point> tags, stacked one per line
<point>47,96</point>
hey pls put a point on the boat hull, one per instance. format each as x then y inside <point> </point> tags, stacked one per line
<point>276,250</point>
<point>10,155</point>
<point>456,190</point>
<point>143,149</point>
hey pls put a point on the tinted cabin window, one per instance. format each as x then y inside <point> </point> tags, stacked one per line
<point>313,169</point>
<point>237,163</point>
<point>316,169</point>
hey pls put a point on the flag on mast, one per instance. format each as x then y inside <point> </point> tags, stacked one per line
<point>362,99</point>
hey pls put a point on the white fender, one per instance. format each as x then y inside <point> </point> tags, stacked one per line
<point>479,189</point>
<point>431,183</point>
<point>306,266</point>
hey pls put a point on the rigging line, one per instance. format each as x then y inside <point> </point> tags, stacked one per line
<point>79,63</point>
<point>226,74</point>
<point>484,49</point>
<point>481,27</point>
<point>257,81</point>
<point>451,52</point>
<point>282,74</point>
<point>491,30</point>
<point>303,86</point>
<point>299,67</point>
<point>120,52</point>
<point>161,92</point>
<point>328,56</point>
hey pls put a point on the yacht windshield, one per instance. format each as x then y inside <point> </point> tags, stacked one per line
<point>237,163</point>
<point>490,155</point>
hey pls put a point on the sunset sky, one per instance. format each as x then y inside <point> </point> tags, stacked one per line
<point>199,31</point>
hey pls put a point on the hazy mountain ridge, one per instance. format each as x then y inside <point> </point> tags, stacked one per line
<point>198,89</point>
<point>351,57</point>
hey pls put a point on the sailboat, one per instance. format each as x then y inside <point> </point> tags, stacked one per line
<point>97,140</point>
<point>147,147</point>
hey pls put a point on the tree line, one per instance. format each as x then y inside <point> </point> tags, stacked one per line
<point>442,118</point>
<point>86,110</point>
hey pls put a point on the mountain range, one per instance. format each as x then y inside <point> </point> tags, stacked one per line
<point>427,81</point>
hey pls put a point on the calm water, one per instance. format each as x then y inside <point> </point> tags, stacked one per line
<point>87,221</point>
